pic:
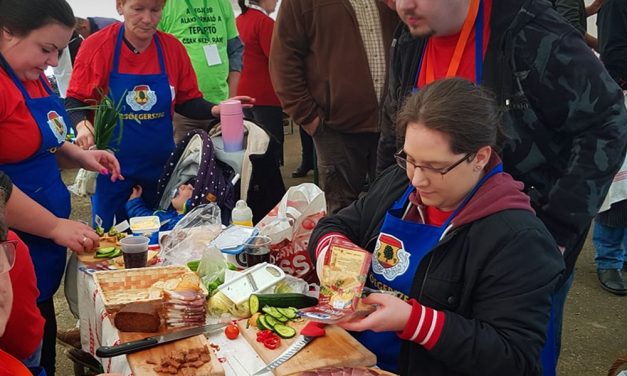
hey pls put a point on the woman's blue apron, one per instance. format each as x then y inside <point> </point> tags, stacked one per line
<point>145,146</point>
<point>400,248</point>
<point>39,178</point>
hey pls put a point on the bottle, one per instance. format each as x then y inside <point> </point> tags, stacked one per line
<point>242,215</point>
<point>232,122</point>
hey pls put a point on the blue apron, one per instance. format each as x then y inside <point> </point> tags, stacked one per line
<point>400,248</point>
<point>144,147</point>
<point>39,178</point>
<point>478,51</point>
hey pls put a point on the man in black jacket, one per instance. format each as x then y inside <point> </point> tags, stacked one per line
<point>564,113</point>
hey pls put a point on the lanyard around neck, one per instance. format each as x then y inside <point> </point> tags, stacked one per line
<point>456,60</point>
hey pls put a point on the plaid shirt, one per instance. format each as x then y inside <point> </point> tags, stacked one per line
<point>371,34</point>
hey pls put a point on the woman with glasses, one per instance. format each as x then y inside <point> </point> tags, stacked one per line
<point>468,268</point>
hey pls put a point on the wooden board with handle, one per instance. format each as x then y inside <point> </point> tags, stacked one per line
<point>139,361</point>
<point>336,348</point>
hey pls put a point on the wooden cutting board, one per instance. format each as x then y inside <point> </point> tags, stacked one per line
<point>336,349</point>
<point>89,259</point>
<point>140,366</point>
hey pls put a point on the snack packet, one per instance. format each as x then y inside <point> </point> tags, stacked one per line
<point>343,277</point>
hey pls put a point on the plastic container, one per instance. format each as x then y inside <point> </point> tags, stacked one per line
<point>232,122</point>
<point>145,225</point>
<point>134,251</point>
<point>242,215</point>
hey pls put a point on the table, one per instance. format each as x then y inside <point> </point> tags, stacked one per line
<point>239,358</point>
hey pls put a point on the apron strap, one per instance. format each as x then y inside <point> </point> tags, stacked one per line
<point>400,203</point>
<point>118,49</point>
<point>479,46</point>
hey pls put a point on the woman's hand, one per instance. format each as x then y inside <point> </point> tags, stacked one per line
<point>101,161</point>
<point>247,102</point>
<point>77,236</point>
<point>391,315</point>
<point>84,135</point>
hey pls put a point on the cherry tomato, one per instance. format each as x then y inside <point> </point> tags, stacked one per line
<point>231,331</point>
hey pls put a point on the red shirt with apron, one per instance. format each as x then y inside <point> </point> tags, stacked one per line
<point>40,179</point>
<point>144,146</point>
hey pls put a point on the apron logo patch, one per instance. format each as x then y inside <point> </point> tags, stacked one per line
<point>141,98</point>
<point>391,259</point>
<point>57,125</point>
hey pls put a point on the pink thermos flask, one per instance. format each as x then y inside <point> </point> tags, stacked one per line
<point>232,122</point>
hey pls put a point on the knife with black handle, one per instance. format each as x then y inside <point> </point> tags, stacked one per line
<point>149,342</point>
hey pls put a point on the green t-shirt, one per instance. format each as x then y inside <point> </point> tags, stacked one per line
<point>204,27</point>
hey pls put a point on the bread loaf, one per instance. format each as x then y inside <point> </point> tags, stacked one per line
<point>138,317</point>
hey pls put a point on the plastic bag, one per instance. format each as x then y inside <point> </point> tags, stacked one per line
<point>290,225</point>
<point>84,183</point>
<point>211,269</point>
<point>191,236</point>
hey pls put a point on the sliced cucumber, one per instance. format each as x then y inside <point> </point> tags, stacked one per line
<point>271,321</point>
<point>290,313</point>
<point>262,324</point>
<point>105,250</point>
<point>284,331</point>
<point>274,312</point>
<point>108,252</point>
<point>253,303</point>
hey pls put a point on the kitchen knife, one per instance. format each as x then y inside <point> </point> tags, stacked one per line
<point>149,342</point>
<point>307,334</point>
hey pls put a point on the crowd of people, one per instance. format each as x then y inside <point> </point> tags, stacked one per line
<point>478,139</point>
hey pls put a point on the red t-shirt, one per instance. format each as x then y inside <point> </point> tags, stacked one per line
<point>437,217</point>
<point>94,63</point>
<point>441,50</point>
<point>25,327</point>
<point>9,366</point>
<point>19,135</point>
<point>255,30</point>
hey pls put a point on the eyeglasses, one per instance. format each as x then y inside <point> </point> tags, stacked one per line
<point>7,255</point>
<point>401,160</point>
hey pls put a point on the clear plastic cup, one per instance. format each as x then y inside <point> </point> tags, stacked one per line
<point>258,250</point>
<point>135,251</point>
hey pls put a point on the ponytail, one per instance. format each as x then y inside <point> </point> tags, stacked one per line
<point>243,6</point>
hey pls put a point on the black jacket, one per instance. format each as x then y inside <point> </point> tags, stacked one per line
<point>492,277</point>
<point>564,113</point>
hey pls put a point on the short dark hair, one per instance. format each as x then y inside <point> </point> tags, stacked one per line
<point>21,17</point>
<point>466,113</point>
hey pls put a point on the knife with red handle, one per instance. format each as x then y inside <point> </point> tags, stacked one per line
<point>311,331</point>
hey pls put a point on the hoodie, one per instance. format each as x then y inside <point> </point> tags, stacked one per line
<point>481,298</point>
<point>509,192</point>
